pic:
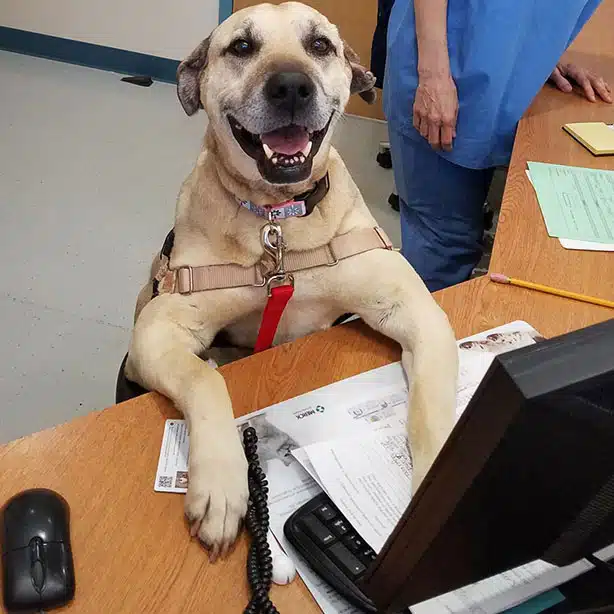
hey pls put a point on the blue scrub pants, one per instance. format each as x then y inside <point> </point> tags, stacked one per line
<point>442,217</point>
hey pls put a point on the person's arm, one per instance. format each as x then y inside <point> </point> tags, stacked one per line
<point>436,105</point>
<point>432,36</point>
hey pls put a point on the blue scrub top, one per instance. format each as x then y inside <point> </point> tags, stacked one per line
<point>501,54</point>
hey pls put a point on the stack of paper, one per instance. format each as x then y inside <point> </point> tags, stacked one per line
<point>308,444</point>
<point>597,137</point>
<point>577,204</point>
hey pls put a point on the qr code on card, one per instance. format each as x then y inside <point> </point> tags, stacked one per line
<point>165,481</point>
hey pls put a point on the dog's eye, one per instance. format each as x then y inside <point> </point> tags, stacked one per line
<point>242,48</point>
<point>321,46</point>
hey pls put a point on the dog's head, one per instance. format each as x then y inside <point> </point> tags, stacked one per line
<point>273,80</point>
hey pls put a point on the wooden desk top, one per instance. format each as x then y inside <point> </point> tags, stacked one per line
<point>131,546</point>
<point>132,550</point>
<point>523,248</point>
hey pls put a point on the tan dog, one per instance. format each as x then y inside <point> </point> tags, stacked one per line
<point>274,82</point>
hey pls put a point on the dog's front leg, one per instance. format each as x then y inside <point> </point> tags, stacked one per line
<point>163,357</point>
<point>397,304</point>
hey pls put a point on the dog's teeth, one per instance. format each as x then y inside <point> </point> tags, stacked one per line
<point>275,161</point>
<point>268,151</point>
<point>307,149</point>
<point>301,159</point>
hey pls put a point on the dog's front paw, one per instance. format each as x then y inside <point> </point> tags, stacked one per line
<point>217,496</point>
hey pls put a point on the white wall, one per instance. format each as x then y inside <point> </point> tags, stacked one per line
<point>166,28</point>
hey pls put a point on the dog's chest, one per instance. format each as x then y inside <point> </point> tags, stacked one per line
<point>301,317</point>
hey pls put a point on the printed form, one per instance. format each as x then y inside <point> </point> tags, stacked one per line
<point>591,246</point>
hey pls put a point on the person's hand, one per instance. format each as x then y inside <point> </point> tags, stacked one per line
<point>592,85</point>
<point>436,110</point>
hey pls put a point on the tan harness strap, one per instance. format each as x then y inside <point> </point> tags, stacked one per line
<point>186,280</point>
<point>214,277</point>
<point>344,246</point>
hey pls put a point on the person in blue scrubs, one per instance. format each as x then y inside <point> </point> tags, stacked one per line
<point>459,76</point>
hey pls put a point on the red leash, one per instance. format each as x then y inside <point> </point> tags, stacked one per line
<point>275,307</point>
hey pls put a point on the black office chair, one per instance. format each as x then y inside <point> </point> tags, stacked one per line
<point>124,388</point>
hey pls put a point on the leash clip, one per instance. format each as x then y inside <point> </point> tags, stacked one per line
<point>273,244</point>
<point>274,281</point>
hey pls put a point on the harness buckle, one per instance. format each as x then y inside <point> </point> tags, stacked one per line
<point>185,280</point>
<point>335,261</point>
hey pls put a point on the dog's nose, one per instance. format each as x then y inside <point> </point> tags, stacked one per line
<point>290,91</point>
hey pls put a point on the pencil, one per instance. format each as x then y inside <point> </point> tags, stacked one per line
<point>504,279</point>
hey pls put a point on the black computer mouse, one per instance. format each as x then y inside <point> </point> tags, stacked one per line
<point>38,570</point>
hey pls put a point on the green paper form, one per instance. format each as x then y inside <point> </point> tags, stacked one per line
<point>577,203</point>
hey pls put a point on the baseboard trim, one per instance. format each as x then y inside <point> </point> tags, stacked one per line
<point>377,120</point>
<point>88,54</point>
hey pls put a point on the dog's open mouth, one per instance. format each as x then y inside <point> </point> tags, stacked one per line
<point>284,155</point>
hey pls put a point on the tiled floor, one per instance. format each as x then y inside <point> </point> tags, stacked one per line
<point>89,171</point>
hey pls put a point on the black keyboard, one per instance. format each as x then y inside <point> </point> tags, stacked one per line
<point>333,549</point>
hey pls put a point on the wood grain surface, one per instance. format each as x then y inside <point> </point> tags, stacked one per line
<point>356,21</point>
<point>132,551</point>
<point>523,248</point>
<point>131,546</point>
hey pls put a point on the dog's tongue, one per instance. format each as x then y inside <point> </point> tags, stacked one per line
<point>288,141</point>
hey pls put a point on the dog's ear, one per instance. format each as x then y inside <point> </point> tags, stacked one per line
<point>363,80</point>
<point>189,73</point>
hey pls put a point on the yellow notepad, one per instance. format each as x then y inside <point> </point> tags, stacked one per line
<point>597,137</point>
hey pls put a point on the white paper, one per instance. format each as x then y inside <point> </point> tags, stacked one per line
<point>300,454</point>
<point>363,487</point>
<point>585,246</point>
<point>507,590</point>
<point>373,406</point>
<point>372,489</point>
<point>363,404</point>
<point>476,354</point>
<point>172,473</point>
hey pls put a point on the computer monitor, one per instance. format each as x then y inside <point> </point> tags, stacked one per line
<point>526,474</point>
